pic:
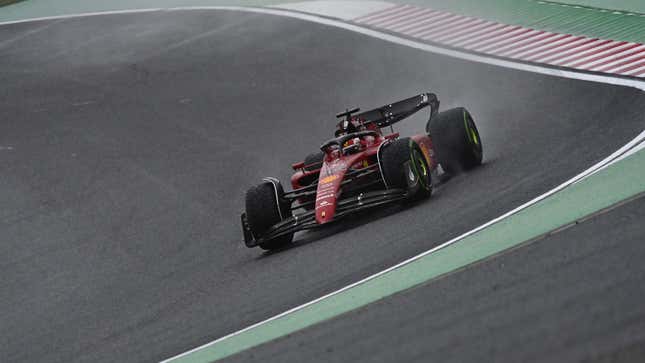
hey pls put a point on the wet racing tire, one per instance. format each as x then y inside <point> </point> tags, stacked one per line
<point>263,211</point>
<point>455,140</point>
<point>392,159</point>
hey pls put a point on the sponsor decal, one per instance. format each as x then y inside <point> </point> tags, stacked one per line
<point>328,179</point>
<point>325,196</point>
<point>325,188</point>
<point>324,203</point>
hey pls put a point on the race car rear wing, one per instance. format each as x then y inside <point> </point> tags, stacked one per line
<point>390,114</point>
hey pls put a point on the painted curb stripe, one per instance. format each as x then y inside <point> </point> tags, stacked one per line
<point>557,55</point>
<point>435,21</point>
<point>554,41</point>
<point>375,17</point>
<point>586,56</point>
<point>474,32</point>
<point>529,43</point>
<point>414,19</point>
<point>369,16</point>
<point>498,39</point>
<point>628,55</point>
<point>466,31</point>
<point>416,23</point>
<point>465,26</point>
<point>431,48</point>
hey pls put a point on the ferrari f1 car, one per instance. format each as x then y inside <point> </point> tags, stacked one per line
<point>363,166</point>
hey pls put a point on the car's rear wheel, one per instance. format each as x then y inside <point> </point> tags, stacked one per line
<point>393,159</point>
<point>265,206</point>
<point>455,140</point>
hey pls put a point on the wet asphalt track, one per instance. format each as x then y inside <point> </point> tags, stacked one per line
<point>127,142</point>
<point>572,297</point>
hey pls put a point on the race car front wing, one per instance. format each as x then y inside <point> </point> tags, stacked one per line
<point>307,220</point>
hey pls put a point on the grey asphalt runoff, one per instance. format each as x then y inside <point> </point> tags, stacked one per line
<point>127,143</point>
<point>576,296</point>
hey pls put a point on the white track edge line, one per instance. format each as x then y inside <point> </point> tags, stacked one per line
<point>420,46</point>
<point>534,68</point>
<point>635,145</point>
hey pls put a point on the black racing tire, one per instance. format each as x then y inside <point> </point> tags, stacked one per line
<point>456,140</point>
<point>392,158</point>
<point>314,161</point>
<point>263,211</point>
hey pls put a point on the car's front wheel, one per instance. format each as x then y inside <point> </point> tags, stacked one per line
<point>265,206</point>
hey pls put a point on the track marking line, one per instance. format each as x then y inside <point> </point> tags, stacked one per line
<point>532,37</point>
<point>410,12</point>
<point>373,14</point>
<point>470,23</point>
<point>579,44</point>
<point>557,44</point>
<point>530,43</point>
<point>436,49</point>
<point>622,57</point>
<point>639,72</point>
<point>590,55</point>
<point>433,22</point>
<point>632,67</point>
<point>457,25</point>
<point>635,145</point>
<point>504,40</point>
<point>83,103</point>
<point>383,15</point>
<point>412,28</point>
<point>476,32</point>
<point>629,59</point>
<point>28,33</point>
<point>340,9</point>
<point>411,20</point>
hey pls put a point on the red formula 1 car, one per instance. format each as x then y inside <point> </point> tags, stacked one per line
<point>363,167</point>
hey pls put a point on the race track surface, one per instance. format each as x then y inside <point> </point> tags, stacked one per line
<point>575,296</point>
<point>127,142</point>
